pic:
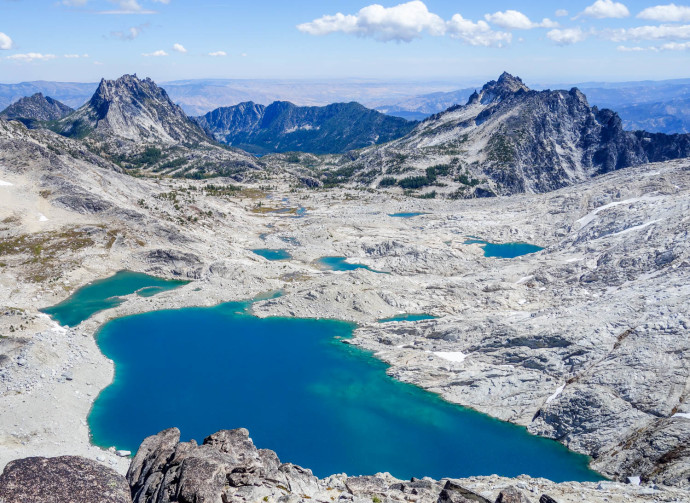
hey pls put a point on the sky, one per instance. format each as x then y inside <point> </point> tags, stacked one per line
<point>432,40</point>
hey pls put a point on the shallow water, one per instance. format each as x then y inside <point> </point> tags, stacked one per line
<point>269,254</point>
<point>341,264</point>
<point>408,317</point>
<point>105,293</point>
<point>300,391</point>
<point>405,215</point>
<point>504,250</point>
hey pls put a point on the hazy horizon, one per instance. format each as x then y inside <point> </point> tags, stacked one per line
<point>431,41</point>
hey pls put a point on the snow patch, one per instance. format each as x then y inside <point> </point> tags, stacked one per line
<point>523,280</point>
<point>684,415</point>
<point>451,356</point>
<point>5,184</point>
<point>592,214</point>
<point>555,395</point>
<point>42,217</point>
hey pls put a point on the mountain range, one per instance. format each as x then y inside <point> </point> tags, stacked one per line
<point>506,139</point>
<point>284,127</point>
<point>509,139</point>
<point>655,106</point>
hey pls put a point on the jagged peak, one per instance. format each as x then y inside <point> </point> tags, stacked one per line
<point>496,90</point>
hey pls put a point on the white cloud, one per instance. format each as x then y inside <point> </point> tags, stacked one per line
<point>606,9</point>
<point>566,36</point>
<point>516,20</point>
<point>131,33</point>
<point>179,48</point>
<point>623,48</point>
<point>403,22</point>
<point>670,46</point>
<point>674,46</point>
<point>166,2</point>
<point>218,53</point>
<point>74,3</point>
<point>155,54</point>
<point>31,56</point>
<point>75,56</point>
<point>5,42</point>
<point>244,54</point>
<point>670,13</point>
<point>478,33</point>
<point>561,13</point>
<point>128,7</point>
<point>661,32</point>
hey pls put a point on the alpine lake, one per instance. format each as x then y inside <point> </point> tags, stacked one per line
<point>297,388</point>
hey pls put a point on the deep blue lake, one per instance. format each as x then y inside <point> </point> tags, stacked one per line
<point>300,391</point>
<point>105,293</point>
<point>272,254</point>
<point>504,250</point>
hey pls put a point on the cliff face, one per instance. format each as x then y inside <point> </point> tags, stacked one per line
<point>283,127</point>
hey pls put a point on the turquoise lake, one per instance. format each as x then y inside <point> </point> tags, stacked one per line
<point>408,317</point>
<point>341,264</point>
<point>316,401</point>
<point>504,250</point>
<point>105,293</point>
<point>273,254</point>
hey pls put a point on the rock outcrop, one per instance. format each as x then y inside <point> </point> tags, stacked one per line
<point>63,479</point>
<point>228,467</point>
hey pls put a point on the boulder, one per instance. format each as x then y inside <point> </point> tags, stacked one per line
<point>68,479</point>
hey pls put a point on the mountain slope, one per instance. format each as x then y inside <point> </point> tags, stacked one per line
<point>36,108</point>
<point>284,127</point>
<point>134,123</point>
<point>508,139</point>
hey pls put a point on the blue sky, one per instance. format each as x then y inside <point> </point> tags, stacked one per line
<point>435,40</point>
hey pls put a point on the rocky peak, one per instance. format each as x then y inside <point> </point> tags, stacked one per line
<point>497,90</point>
<point>36,108</point>
<point>137,110</point>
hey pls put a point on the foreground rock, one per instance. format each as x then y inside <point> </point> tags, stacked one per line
<point>64,479</point>
<point>228,467</point>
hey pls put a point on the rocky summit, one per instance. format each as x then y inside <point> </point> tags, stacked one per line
<point>132,109</point>
<point>133,123</point>
<point>36,108</point>
<point>284,127</point>
<point>509,139</point>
